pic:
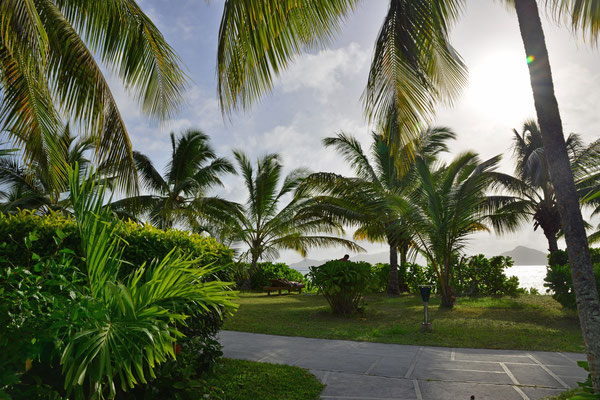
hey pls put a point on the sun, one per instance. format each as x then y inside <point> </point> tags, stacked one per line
<point>499,87</point>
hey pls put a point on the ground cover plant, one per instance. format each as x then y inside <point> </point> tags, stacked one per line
<point>525,322</point>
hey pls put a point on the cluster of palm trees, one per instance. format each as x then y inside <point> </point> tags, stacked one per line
<point>408,199</point>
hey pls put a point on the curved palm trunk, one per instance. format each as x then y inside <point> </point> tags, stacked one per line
<point>586,293</point>
<point>393,288</point>
<point>552,242</point>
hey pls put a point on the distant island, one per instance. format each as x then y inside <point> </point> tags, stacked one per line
<point>525,256</point>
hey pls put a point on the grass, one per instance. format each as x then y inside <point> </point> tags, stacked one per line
<point>526,322</point>
<point>243,380</point>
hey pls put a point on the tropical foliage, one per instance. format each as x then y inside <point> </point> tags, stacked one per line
<point>531,180</point>
<point>108,333</point>
<point>363,201</point>
<point>48,68</point>
<point>32,187</point>
<point>180,196</point>
<point>267,223</point>
<point>342,283</point>
<point>449,205</point>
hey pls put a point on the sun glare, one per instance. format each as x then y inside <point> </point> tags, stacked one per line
<point>499,87</point>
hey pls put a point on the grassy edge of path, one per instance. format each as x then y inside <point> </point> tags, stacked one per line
<point>526,322</point>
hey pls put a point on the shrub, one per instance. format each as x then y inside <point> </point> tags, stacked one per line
<point>269,270</point>
<point>103,333</point>
<point>342,283</point>
<point>380,277</point>
<point>481,276</point>
<point>559,280</point>
<point>143,243</point>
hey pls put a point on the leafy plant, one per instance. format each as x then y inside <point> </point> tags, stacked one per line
<point>267,270</point>
<point>481,276</point>
<point>342,283</point>
<point>109,330</point>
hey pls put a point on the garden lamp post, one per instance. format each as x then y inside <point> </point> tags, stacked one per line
<point>425,295</point>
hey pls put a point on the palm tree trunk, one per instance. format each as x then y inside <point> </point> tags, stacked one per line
<point>393,288</point>
<point>552,242</point>
<point>402,284</point>
<point>447,295</point>
<point>247,285</point>
<point>586,293</point>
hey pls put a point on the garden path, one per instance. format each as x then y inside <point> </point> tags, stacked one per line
<point>378,371</point>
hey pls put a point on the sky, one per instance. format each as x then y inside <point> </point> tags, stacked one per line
<point>319,96</point>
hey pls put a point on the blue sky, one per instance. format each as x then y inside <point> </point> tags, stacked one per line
<point>319,95</point>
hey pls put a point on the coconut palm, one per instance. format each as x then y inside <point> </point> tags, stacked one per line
<point>179,197</point>
<point>32,188</point>
<point>363,201</point>
<point>531,181</point>
<point>268,222</point>
<point>47,50</point>
<point>448,206</point>
<point>413,67</point>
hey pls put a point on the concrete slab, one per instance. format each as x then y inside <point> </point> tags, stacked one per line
<point>464,391</point>
<point>377,371</point>
<point>533,375</point>
<point>329,361</point>
<point>340,385</point>
<point>462,376</point>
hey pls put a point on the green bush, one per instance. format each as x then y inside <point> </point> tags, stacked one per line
<point>269,270</point>
<point>75,324</point>
<point>559,280</point>
<point>143,243</point>
<point>380,277</point>
<point>481,276</point>
<point>342,283</point>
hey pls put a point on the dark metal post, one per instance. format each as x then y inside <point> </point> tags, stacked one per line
<point>425,295</point>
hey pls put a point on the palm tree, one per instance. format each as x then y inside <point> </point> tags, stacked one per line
<point>32,188</point>
<point>179,197</point>
<point>47,58</point>
<point>267,223</point>
<point>449,205</point>
<point>410,70</point>
<point>531,181</point>
<point>363,201</point>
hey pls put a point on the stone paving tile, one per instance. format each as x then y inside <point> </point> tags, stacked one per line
<point>354,363</point>
<point>561,371</point>
<point>341,385</point>
<point>549,358</point>
<point>466,365</point>
<point>384,349</point>
<point>395,367</point>
<point>540,393</point>
<point>462,376</point>
<point>533,375</point>
<point>463,391</point>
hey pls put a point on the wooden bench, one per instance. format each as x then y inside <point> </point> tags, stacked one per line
<point>289,288</point>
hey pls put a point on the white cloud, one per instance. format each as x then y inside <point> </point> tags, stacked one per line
<point>327,71</point>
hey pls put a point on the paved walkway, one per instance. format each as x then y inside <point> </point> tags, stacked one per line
<point>377,371</point>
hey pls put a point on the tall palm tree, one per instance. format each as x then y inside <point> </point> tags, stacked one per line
<point>363,201</point>
<point>47,50</point>
<point>179,197</point>
<point>415,67</point>
<point>268,222</point>
<point>32,188</point>
<point>531,181</point>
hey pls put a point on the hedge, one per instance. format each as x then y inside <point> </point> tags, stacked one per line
<point>144,243</point>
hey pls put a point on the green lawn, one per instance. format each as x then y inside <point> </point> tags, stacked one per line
<point>526,322</point>
<point>243,380</point>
